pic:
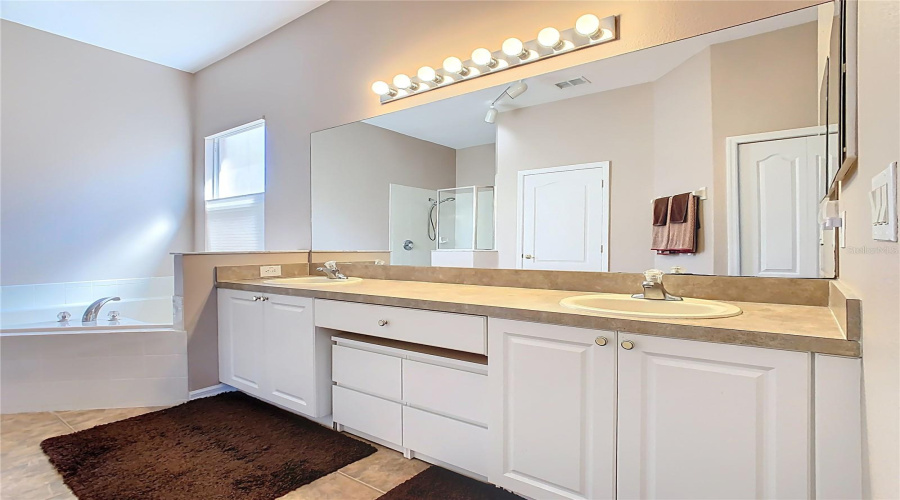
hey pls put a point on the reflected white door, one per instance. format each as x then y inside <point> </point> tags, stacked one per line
<point>779,188</point>
<point>564,218</point>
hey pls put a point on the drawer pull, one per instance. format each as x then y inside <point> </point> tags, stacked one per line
<point>382,322</point>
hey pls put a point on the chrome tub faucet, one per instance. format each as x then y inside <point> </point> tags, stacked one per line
<point>90,314</point>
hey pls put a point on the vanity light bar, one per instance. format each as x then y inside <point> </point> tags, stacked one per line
<point>589,30</point>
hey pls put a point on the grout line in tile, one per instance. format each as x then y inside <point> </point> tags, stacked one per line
<point>361,482</point>
<point>57,415</point>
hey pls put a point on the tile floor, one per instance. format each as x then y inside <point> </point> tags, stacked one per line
<point>26,474</point>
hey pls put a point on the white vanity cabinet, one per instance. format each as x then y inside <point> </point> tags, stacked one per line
<point>552,410</point>
<point>269,347</point>
<point>705,420</point>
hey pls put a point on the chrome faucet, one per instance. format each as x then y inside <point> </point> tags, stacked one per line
<point>653,287</point>
<point>331,270</point>
<point>90,314</point>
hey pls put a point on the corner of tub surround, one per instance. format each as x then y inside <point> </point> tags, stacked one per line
<point>793,291</point>
<point>251,272</point>
<point>846,307</point>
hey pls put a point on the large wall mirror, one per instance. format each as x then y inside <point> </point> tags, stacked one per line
<point>709,155</point>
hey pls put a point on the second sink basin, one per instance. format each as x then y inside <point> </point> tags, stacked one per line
<point>625,305</point>
<point>311,280</point>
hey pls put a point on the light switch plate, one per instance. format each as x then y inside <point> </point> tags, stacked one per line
<point>883,203</point>
<point>269,271</point>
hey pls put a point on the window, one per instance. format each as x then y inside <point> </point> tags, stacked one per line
<point>236,189</point>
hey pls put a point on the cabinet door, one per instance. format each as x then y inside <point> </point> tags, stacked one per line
<point>552,414</point>
<point>290,354</point>
<point>241,340</point>
<point>702,420</point>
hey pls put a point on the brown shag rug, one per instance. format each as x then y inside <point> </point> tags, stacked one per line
<point>228,446</point>
<point>435,483</point>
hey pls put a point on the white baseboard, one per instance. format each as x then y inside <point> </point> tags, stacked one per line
<point>210,391</point>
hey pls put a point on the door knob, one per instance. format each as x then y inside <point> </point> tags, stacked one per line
<point>627,345</point>
<point>382,322</point>
<point>601,341</point>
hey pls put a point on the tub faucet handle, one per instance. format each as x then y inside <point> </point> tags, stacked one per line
<point>63,316</point>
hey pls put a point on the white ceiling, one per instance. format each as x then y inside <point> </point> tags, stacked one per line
<point>458,122</point>
<point>185,35</point>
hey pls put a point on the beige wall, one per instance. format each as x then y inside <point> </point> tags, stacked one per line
<point>869,267</point>
<point>96,161</point>
<point>622,137</point>
<point>758,86</point>
<point>476,166</point>
<point>308,76</point>
<point>354,167</point>
<point>682,149</point>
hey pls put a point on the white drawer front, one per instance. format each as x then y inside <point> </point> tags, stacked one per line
<point>366,371</point>
<point>374,416</point>
<point>451,331</point>
<point>457,443</point>
<point>446,390</point>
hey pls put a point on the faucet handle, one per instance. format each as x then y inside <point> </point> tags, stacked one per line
<point>332,265</point>
<point>654,275</point>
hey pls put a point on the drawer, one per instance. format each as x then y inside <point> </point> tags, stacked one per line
<point>366,371</point>
<point>374,416</point>
<point>444,390</point>
<point>451,441</point>
<point>459,332</point>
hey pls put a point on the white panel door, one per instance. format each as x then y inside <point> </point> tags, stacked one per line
<point>290,353</point>
<point>711,421</point>
<point>778,207</point>
<point>564,218</point>
<point>241,340</point>
<point>552,414</point>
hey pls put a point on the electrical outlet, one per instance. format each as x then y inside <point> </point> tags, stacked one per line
<point>269,271</point>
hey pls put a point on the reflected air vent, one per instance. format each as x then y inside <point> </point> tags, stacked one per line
<point>573,83</point>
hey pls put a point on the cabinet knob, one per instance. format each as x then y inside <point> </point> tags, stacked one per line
<point>601,341</point>
<point>382,322</point>
<point>264,298</point>
<point>627,345</point>
<point>256,298</point>
<point>528,256</point>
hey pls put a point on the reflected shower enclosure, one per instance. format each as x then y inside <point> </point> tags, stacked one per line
<point>465,218</point>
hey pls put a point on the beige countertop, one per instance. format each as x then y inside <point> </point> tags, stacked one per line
<point>779,326</point>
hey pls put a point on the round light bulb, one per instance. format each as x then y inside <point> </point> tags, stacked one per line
<point>427,74</point>
<point>402,81</point>
<point>588,25</point>
<point>483,57</point>
<point>513,47</point>
<point>381,88</point>
<point>550,38</point>
<point>454,65</point>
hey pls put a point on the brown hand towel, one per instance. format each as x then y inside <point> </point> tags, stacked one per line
<point>680,207</point>
<point>660,235</point>
<point>683,236</point>
<point>660,211</point>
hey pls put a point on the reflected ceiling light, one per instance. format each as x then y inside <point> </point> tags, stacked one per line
<point>491,114</point>
<point>516,89</point>
<point>383,89</point>
<point>454,65</point>
<point>589,30</point>
<point>404,82</point>
<point>513,47</point>
<point>550,38</point>
<point>428,74</point>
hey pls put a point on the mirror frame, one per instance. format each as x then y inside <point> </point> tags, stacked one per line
<point>847,95</point>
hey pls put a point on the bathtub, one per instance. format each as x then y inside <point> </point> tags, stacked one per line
<point>46,365</point>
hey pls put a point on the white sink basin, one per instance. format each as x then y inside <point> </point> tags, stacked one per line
<point>625,305</point>
<point>311,280</point>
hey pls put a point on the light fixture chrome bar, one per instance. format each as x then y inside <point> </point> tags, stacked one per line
<point>607,32</point>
